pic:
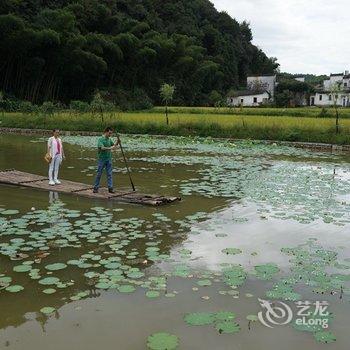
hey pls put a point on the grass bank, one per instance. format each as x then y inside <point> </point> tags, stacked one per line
<point>279,128</point>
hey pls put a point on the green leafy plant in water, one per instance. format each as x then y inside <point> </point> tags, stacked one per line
<point>223,320</point>
<point>325,337</point>
<point>152,294</point>
<point>5,281</point>
<point>231,251</point>
<point>266,271</point>
<point>49,291</point>
<point>49,281</point>
<point>127,288</point>
<point>47,310</point>
<point>181,271</point>
<point>9,212</point>
<point>103,285</point>
<point>204,283</point>
<point>200,318</point>
<point>310,264</point>
<point>22,268</point>
<point>234,275</point>
<point>283,291</point>
<point>227,327</point>
<point>162,341</point>
<point>55,267</point>
<point>14,288</point>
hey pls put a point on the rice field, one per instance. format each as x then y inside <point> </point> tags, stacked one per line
<point>265,111</point>
<point>229,121</point>
<point>289,128</point>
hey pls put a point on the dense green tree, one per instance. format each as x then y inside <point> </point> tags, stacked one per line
<point>67,50</point>
<point>215,98</point>
<point>292,93</point>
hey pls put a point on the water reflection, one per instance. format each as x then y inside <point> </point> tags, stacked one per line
<point>53,197</point>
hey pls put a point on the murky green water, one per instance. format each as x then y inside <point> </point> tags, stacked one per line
<point>255,222</point>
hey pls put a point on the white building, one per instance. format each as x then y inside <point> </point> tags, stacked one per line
<point>249,98</point>
<point>327,96</point>
<point>260,90</point>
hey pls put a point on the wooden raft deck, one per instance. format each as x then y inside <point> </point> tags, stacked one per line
<point>19,178</point>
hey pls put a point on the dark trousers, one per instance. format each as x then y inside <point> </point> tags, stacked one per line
<point>109,168</point>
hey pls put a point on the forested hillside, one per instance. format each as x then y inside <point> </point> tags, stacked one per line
<point>63,49</point>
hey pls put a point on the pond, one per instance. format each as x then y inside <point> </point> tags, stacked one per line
<point>256,223</point>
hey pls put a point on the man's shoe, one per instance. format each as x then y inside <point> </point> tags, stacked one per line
<point>111,190</point>
<point>52,183</point>
<point>95,190</point>
<point>57,182</point>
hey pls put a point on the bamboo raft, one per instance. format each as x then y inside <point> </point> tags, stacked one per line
<point>19,178</point>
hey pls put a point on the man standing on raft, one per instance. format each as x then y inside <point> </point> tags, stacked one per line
<point>105,147</point>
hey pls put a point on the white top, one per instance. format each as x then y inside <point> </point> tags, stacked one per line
<point>53,147</point>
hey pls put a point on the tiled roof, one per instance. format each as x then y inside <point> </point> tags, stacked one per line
<point>261,75</point>
<point>247,93</point>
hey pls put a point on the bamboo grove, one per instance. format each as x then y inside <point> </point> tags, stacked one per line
<point>67,50</point>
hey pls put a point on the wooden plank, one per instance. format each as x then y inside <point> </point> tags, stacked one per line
<point>64,187</point>
<point>141,195</point>
<point>102,193</point>
<point>18,177</point>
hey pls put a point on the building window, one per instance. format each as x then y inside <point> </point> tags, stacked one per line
<point>255,100</point>
<point>242,100</point>
<point>345,84</point>
<point>320,97</point>
<point>330,97</point>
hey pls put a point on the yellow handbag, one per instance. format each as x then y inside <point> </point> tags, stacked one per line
<point>48,158</point>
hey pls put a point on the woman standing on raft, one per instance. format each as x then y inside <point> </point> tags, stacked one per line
<point>56,155</point>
